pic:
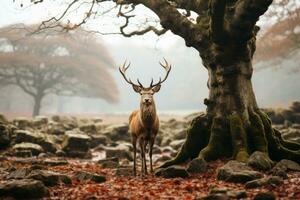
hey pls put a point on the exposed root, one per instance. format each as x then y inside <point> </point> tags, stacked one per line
<point>196,139</point>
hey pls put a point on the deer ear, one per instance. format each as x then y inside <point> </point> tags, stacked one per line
<point>137,88</point>
<point>156,88</point>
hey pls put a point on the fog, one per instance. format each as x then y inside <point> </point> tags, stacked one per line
<point>183,92</point>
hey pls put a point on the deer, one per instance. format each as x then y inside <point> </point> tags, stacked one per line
<point>144,123</point>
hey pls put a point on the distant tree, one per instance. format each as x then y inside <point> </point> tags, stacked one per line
<point>282,39</point>
<point>71,63</point>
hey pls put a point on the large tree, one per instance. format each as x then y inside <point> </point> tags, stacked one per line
<point>71,63</point>
<point>224,34</point>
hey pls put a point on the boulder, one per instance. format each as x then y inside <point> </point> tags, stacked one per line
<point>97,140</point>
<point>282,167</point>
<point>4,137</point>
<point>35,137</point>
<point>238,172</point>
<point>40,121</point>
<point>273,180</point>
<point>261,161</point>
<point>172,172</point>
<point>90,176</point>
<point>23,189</point>
<point>217,196</point>
<point>176,144</point>
<point>25,148</point>
<point>3,119</point>
<point>56,128</point>
<point>180,134</point>
<point>76,144</point>
<point>22,122</point>
<point>295,106</point>
<point>120,151</point>
<point>197,165</point>
<point>49,178</point>
<point>230,194</point>
<point>88,128</point>
<point>265,196</point>
<point>109,163</point>
<point>161,158</point>
<point>18,173</point>
<point>117,132</point>
<point>124,171</point>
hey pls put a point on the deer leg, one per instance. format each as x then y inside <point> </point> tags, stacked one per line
<point>145,163</point>
<point>142,155</point>
<point>134,154</point>
<point>150,153</point>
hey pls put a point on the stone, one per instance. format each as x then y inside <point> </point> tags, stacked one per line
<point>261,161</point>
<point>60,153</point>
<point>88,128</point>
<point>117,132</point>
<point>22,122</point>
<point>120,151</point>
<point>98,140</point>
<point>180,134</point>
<point>197,165</point>
<point>3,119</point>
<point>90,176</point>
<point>124,171</point>
<point>35,149</point>
<point>273,180</point>
<point>76,144</point>
<point>56,128</point>
<point>40,121</point>
<point>265,196</point>
<point>51,162</point>
<point>4,137</point>
<point>111,163</point>
<point>282,167</point>
<point>238,172</point>
<point>231,194</point>
<point>176,144</point>
<point>161,158</point>
<point>172,172</point>
<point>49,178</point>
<point>23,189</point>
<point>217,196</point>
<point>18,173</point>
<point>37,138</point>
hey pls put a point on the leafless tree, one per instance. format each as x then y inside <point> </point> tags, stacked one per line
<point>65,64</point>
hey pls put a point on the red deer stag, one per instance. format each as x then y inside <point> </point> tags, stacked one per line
<point>144,123</point>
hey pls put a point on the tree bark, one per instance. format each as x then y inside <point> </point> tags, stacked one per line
<point>37,105</point>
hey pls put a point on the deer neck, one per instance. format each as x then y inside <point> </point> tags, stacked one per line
<point>148,114</point>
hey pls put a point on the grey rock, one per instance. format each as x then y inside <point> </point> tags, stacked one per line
<point>49,178</point>
<point>172,172</point>
<point>120,151</point>
<point>3,119</point>
<point>56,128</point>
<point>176,144</point>
<point>88,128</point>
<point>4,137</point>
<point>124,171</point>
<point>231,194</point>
<point>90,176</point>
<point>34,149</point>
<point>237,172</point>
<point>18,173</point>
<point>217,196</point>
<point>260,161</point>
<point>265,196</point>
<point>162,158</point>
<point>51,162</point>
<point>273,180</point>
<point>37,138</point>
<point>197,165</point>
<point>40,121</point>
<point>282,167</point>
<point>117,132</point>
<point>98,140</point>
<point>111,163</point>
<point>180,134</point>
<point>24,189</point>
<point>76,144</point>
<point>22,122</point>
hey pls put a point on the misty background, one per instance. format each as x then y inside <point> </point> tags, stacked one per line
<point>183,92</point>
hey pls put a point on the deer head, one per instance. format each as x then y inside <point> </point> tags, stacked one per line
<point>146,92</point>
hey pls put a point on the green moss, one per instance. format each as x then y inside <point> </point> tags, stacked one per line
<point>196,139</point>
<point>218,145</point>
<point>257,131</point>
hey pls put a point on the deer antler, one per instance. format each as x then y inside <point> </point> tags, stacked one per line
<point>167,67</point>
<point>123,69</point>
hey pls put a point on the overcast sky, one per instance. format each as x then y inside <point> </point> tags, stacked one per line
<point>185,88</point>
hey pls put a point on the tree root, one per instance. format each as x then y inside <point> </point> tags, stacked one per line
<point>234,137</point>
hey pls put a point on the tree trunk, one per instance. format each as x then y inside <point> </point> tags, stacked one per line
<point>233,125</point>
<point>37,105</point>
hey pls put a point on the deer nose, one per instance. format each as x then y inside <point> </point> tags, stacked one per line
<point>147,100</point>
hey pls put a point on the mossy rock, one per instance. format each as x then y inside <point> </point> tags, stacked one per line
<point>260,161</point>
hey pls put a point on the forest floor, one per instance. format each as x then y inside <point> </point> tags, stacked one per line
<point>196,186</point>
